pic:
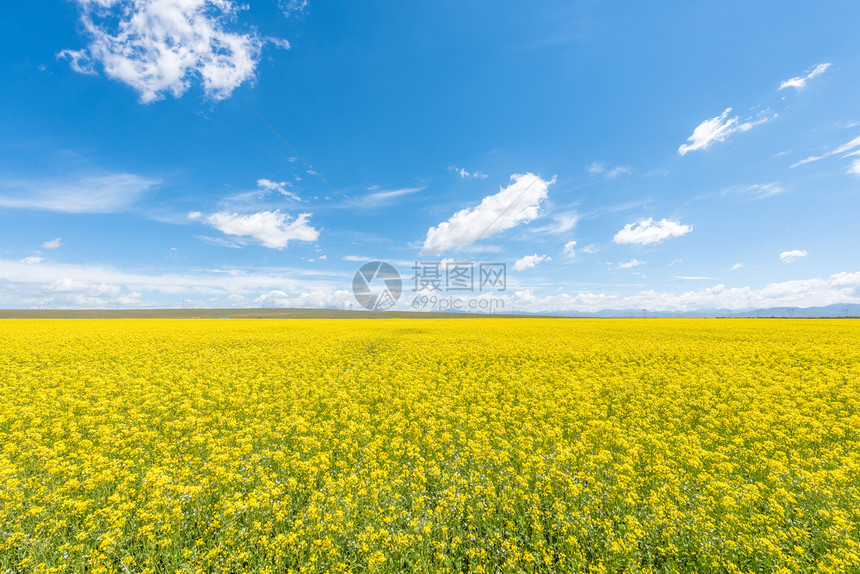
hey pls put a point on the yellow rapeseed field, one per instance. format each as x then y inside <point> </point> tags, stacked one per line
<point>418,445</point>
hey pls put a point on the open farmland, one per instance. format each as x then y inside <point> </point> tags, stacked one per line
<point>422,445</point>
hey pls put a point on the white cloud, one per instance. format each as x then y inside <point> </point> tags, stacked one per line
<point>596,167</point>
<point>649,231</point>
<point>789,256</point>
<point>630,264</point>
<point>800,81</point>
<point>601,167</point>
<point>94,286</point>
<point>838,288</point>
<point>163,46</point>
<point>765,189</point>
<point>843,149</point>
<point>359,258</point>
<point>513,205</point>
<point>277,187</point>
<point>32,260</point>
<point>53,244</point>
<point>220,242</point>
<point>290,6</point>
<point>530,261</point>
<point>379,197</point>
<point>97,286</point>
<point>616,171</point>
<point>82,194</point>
<point>590,248</point>
<point>271,228</point>
<point>561,223</point>
<point>467,174</point>
<point>570,248</point>
<point>718,129</point>
<point>737,266</point>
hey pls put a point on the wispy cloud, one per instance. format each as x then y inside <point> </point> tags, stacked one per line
<point>602,168</point>
<point>849,149</point>
<point>800,81</point>
<point>793,255</point>
<point>751,191</point>
<point>630,264</point>
<point>648,231</point>
<point>220,242</point>
<point>694,278</point>
<point>162,47</point>
<point>530,261</point>
<point>357,258</point>
<point>596,167</point>
<point>765,189</point>
<point>513,205</point>
<point>82,194</point>
<point>467,174</point>
<point>53,243</point>
<point>277,187</point>
<point>561,223</point>
<point>383,196</point>
<point>718,129</point>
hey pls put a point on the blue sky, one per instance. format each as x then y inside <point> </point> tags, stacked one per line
<point>190,152</point>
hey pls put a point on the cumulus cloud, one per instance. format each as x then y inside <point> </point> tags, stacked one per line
<point>737,266</point>
<point>530,261</point>
<point>161,47</point>
<point>76,194</point>
<point>649,231</point>
<point>570,248</point>
<point>515,204</point>
<point>800,81</point>
<point>271,228</point>
<point>52,244</point>
<point>718,129</point>
<point>32,260</point>
<point>789,256</point>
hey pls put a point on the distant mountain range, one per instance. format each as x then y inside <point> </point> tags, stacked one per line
<point>838,310</point>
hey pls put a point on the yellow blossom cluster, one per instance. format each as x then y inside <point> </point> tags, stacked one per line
<point>429,445</point>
